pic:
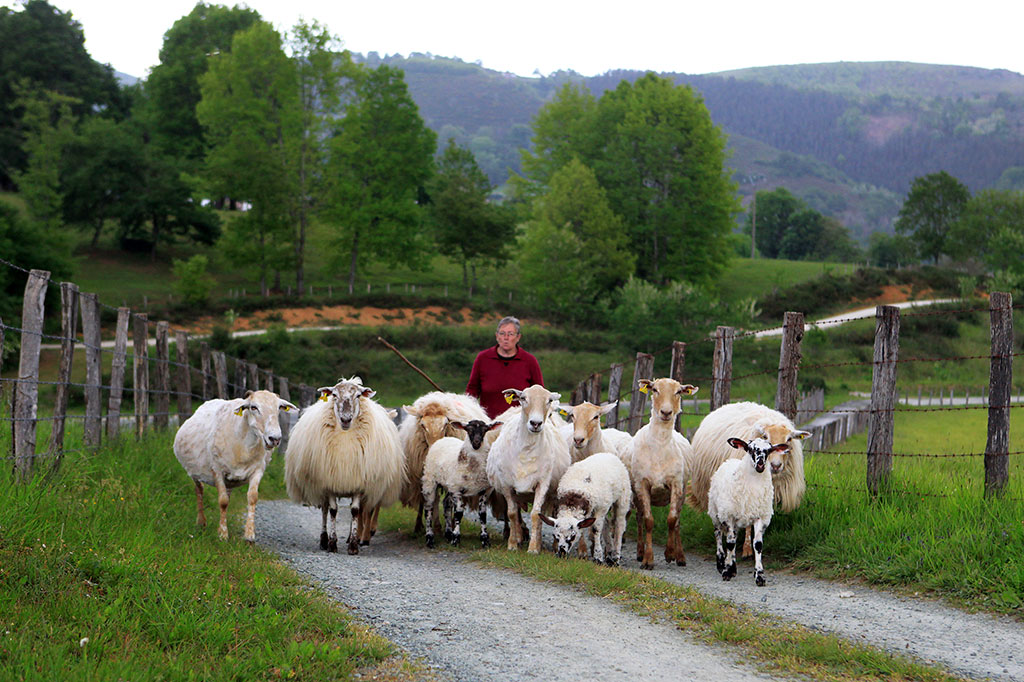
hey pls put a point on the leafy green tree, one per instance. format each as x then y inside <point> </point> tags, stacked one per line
<point>932,206</point>
<point>835,243</point>
<point>381,158</point>
<point>891,250</point>
<point>466,225</point>
<point>46,47</point>
<point>774,210</point>
<point>788,228</point>
<point>192,282</point>
<point>173,89</point>
<point>251,112</point>
<point>28,247</point>
<point>551,268</point>
<point>991,229</point>
<point>802,234</point>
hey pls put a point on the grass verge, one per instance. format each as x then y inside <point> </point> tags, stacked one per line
<point>104,575</point>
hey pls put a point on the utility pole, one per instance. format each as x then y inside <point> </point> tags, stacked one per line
<point>753,226</point>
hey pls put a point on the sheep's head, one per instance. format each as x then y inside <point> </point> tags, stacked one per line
<point>344,399</point>
<point>432,419</point>
<point>586,421</point>
<point>260,410</point>
<point>779,434</point>
<point>537,403</point>
<point>476,430</point>
<point>666,397</point>
<point>759,450</point>
<point>566,530</point>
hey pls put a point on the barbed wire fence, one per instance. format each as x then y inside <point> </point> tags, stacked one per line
<point>156,377</point>
<point>875,413</point>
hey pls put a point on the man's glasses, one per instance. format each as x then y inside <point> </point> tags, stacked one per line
<point>508,334</point>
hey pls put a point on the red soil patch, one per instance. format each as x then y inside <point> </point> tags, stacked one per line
<point>894,293</point>
<point>337,315</point>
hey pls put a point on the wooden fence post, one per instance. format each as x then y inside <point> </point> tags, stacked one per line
<point>140,362</point>
<point>614,384</point>
<point>595,388</point>
<point>184,374</point>
<point>676,372</point>
<point>241,377</point>
<point>268,380</point>
<point>1000,382</point>
<point>637,400</point>
<point>68,332</point>
<point>307,395</point>
<point>721,371</point>
<point>220,368</point>
<point>163,377</point>
<point>789,363</point>
<point>90,305</point>
<point>883,393</point>
<point>26,392</point>
<point>254,377</point>
<point>117,367</point>
<point>204,368</point>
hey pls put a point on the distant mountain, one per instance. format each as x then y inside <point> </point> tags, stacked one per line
<point>847,137</point>
<point>125,79</point>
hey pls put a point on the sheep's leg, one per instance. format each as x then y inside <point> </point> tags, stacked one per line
<point>646,519</point>
<point>373,522</point>
<point>730,553</point>
<point>418,528</point>
<point>747,551</point>
<point>429,500</point>
<point>481,510</point>
<point>582,551</point>
<point>515,534</point>
<point>251,497</point>
<point>222,499</point>
<point>674,544</point>
<point>719,550</point>
<point>596,536</point>
<point>448,517</point>
<point>367,524</point>
<point>615,558</point>
<point>457,511</point>
<point>353,530</point>
<point>759,527</point>
<point>538,505</point>
<point>323,524</point>
<point>330,507</point>
<point>200,516</point>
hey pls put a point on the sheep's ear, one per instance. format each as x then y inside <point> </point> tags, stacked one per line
<point>368,392</point>
<point>587,522</point>
<point>457,424</point>
<point>644,385</point>
<point>286,406</point>
<point>240,410</point>
<point>555,397</point>
<point>738,443</point>
<point>689,389</point>
<point>494,425</point>
<point>323,391</point>
<point>392,414</point>
<point>248,394</point>
<point>781,447</point>
<point>565,411</point>
<point>605,409</point>
<point>799,435</point>
<point>511,393</point>
<point>547,519</point>
<point>411,411</point>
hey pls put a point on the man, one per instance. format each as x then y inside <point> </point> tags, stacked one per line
<point>505,365</point>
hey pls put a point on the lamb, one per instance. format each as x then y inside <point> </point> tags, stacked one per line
<point>658,457</point>
<point>740,496</point>
<point>229,442</point>
<point>344,446</point>
<point>748,420</point>
<point>588,490</point>
<point>528,458</point>
<point>587,437</point>
<point>431,418</point>
<point>459,466</point>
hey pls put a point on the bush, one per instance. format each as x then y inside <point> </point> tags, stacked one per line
<point>193,283</point>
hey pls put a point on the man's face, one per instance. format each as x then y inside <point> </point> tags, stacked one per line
<point>507,338</point>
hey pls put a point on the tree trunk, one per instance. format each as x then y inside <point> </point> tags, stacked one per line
<point>465,274</point>
<point>157,227</point>
<point>96,233</point>
<point>352,262</point>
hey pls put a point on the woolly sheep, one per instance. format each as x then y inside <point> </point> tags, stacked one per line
<point>229,442</point>
<point>658,457</point>
<point>741,496</point>
<point>587,437</point>
<point>748,420</point>
<point>344,446</point>
<point>459,466</point>
<point>528,458</point>
<point>588,490</point>
<point>431,418</point>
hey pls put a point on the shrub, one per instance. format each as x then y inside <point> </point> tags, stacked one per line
<point>193,283</point>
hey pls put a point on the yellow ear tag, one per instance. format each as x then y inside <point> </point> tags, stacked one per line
<point>323,397</point>
<point>563,413</point>
<point>643,388</point>
<point>239,411</point>
<point>286,408</point>
<point>508,398</point>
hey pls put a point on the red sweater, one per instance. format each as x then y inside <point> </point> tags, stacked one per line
<point>492,374</point>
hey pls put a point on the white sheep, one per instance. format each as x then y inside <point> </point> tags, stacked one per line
<point>741,496</point>
<point>429,418</point>
<point>748,420</point>
<point>658,468</point>
<point>588,490</point>
<point>588,437</point>
<point>229,442</point>
<point>344,445</point>
<point>459,466</point>
<point>528,458</point>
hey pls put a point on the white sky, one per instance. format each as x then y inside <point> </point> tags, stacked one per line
<point>593,36</point>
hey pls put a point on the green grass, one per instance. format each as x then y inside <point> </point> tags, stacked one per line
<point>104,576</point>
<point>746,278</point>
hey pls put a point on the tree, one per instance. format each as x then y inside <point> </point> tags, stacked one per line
<point>251,113</point>
<point>28,247</point>
<point>465,223</point>
<point>934,203</point>
<point>991,229</point>
<point>551,262</point>
<point>381,158</point>
<point>774,212</point>
<point>46,47</point>
<point>173,88</point>
<point>561,131</point>
<point>891,250</point>
<point>802,234</point>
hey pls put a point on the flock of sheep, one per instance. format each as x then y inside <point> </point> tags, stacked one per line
<point>553,460</point>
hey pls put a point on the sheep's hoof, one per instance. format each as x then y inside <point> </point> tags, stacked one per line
<point>455,540</point>
<point>681,562</point>
<point>729,572</point>
<point>448,535</point>
<point>613,561</point>
<point>726,577</point>
<point>720,564</point>
<point>353,548</point>
<point>485,542</point>
<point>364,543</point>
<point>430,542</point>
<point>251,540</point>
<point>323,540</point>
<point>647,567</point>
<point>332,546</point>
<point>759,579</point>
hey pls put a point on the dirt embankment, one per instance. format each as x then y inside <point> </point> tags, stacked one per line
<point>337,315</point>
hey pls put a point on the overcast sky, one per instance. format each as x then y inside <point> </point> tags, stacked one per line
<point>591,37</point>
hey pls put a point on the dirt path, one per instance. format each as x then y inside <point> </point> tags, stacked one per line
<point>470,622</point>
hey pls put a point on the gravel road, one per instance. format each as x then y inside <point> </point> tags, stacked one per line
<point>474,623</point>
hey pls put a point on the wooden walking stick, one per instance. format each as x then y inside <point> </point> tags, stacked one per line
<point>399,354</point>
